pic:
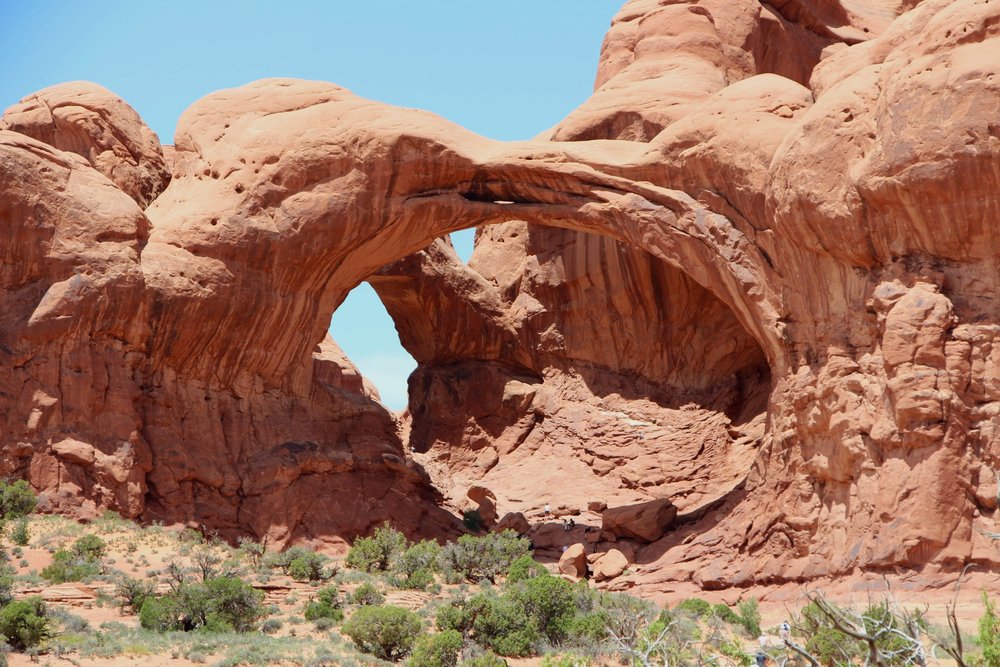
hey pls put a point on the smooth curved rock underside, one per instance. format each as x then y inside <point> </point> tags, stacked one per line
<point>754,274</point>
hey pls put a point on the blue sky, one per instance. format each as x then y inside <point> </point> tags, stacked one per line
<point>507,69</point>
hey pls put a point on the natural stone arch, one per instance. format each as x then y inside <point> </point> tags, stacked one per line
<point>577,366</point>
<point>281,202</point>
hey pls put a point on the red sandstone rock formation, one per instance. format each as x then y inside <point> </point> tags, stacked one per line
<point>774,304</point>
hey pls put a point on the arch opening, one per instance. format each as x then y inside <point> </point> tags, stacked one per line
<point>623,380</point>
<point>366,333</point>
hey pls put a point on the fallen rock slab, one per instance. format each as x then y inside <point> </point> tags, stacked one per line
<point>573,562</point>
<point>644,521</point>
<point>609,566</point>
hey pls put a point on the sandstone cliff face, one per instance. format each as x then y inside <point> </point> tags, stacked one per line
<point>754,273</point>
<point>844,183</point>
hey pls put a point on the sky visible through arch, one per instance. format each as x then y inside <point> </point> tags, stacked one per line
<point>507,69</point>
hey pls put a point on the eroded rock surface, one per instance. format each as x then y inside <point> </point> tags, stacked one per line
<point>755,274</point>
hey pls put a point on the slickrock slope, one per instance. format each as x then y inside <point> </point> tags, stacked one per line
<point>765,288</point>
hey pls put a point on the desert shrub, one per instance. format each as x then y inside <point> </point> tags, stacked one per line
<point>25,623</point>
<point>695,607</point>
<point>160,614</point>
<point>308,567</point>
<point>220,604</point>
<point>90,547</point>
<point>824,641</point>
<point>385,632</point>
<point>440,650</point>
<point>473,520</point>
<point>988,637</point>
<point>20,535</point>
<point>724,612</point>
<point>132,593</point>
<point>638,626</point>
<point>734,651</point>
<point>270,626</point>
<point>588,629</point>
<point>749,617</point>
<point>487,659</point>
<point>484,557</point>
<point>235,602</point>
<point>6,585</point>
<point>300,564</point>
<point>524,567</point>
<point>501,624</point>
<point>252,551</point>
<point>529,612</point>
<point>206,562</point>
<point>17,499</point>
<point>378,552</point>
<point>68,566</point>
<point>366,595</point>
<point>549,603</point>
<point>324,624</point>
<point>326,605</point>
<point>415,567</point>
<point>191,536</point>
<point>69,621</point>
<point>81,562</point>
<point>455,615</point>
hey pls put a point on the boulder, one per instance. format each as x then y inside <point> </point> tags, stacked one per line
<point>513,521</point>
<point>644,521</point>
<point>573,561</point>
<point>609,565</point>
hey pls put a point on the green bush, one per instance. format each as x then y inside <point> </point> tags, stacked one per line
<point>385,632</point>
<point>378,552</point>
<point>20,535</point>
<point>440,650</point>
<point>415,567</point>
<point>484,557</point>
<point>300,564</point>
<point>589,628</point>
<point>500,623</point>
<point>523,568</point>
<point>366,595</point>
<point>695,607</point>
<point>80,563</point>
<point>823,641</point>
<point>220,604</point>
<point>132,593</point>
<point>455,615</point>
<point>161,614</point>
<point>90,547</point>
<point>487,659</point>
<point>989,634</point>
<point>307,568</point>
<point>235,602</point>
<point>549,602</point>
<point>749,617</point>
<point>529,612</point>
<point>67,566</point>
<point>25,623</point>
<point>724,613</point>
<point>326,604</point>
<point>6,585</point>
<point>270,626</point>
<point>17,499</point>
<point>252,551</point>
<point>734,651</point>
